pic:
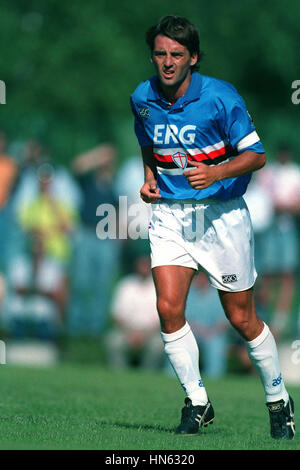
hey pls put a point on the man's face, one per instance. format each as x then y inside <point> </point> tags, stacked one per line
<point>172,61</point>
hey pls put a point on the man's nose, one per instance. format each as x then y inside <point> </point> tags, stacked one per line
<point>168,60</point>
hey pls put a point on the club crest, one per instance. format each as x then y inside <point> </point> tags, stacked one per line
<point>180,159</point>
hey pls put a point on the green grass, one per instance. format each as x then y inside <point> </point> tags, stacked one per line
<point>88,407</point>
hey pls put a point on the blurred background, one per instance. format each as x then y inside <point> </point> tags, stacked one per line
<point>67,145</point>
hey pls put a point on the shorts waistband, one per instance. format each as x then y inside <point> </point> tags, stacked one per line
<point>194,201</point>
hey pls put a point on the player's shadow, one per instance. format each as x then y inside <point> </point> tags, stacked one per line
<point>146,427</point>
<point>139,427</point>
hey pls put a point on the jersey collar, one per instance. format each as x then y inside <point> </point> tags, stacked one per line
<point>192,94</point>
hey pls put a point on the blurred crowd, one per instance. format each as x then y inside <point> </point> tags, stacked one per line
<point>58,276</point>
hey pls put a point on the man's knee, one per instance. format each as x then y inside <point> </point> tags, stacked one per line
<point>168,308</point>
<point>246,322</point>
<point>171,314</point>
<point>240,310</point>
<point>239,319</point>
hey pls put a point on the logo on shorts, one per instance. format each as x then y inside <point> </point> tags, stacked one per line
<point>228,278</point>
<point>180,159</point>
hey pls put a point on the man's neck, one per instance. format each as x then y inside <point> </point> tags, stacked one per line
<point>173,93</point>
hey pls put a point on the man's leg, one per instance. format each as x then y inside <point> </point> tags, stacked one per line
<point>172,285</point>
<point>262,350</point>
<point>240,310</point>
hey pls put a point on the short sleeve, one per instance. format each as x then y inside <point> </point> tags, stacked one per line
<point>140,132</point>
<point>236,123</point>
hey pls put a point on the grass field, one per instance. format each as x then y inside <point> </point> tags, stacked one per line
<point>87,407</point>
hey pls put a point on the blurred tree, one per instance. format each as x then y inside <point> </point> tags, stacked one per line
<point>69,67</point>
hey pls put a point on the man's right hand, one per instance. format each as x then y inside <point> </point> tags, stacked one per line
<point>150,192</point>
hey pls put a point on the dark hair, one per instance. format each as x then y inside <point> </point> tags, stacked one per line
<point>284,147</point>
<point>181,30</point>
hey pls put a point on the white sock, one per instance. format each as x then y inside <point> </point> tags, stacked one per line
<point>183,353</point>
<point>263,353</point>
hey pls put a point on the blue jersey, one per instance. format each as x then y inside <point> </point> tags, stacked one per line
<point>209,124</point>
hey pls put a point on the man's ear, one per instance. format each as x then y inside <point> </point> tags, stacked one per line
<point>194,59</point>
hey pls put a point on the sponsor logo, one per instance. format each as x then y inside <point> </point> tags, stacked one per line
<point>277,381</point>
<point>144,112</point>
<point>276,407</point>
<point>228,278</point>
<point>166,134</point>
<point>180,159</point>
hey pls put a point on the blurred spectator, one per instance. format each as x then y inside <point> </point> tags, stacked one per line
<point>8,175</point>
<point>260,205</point>
<point>38,277</point>
<point>8,171</point>
<point>135,337</point>
<point>206,318</point>
<point>129,180</point>
<point>62,185</point>
<point>96,261</point>
<point>281,181</point>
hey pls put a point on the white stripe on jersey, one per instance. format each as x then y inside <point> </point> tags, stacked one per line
<point>173,171</point>
<point>245,142</point>
<point>192,152</point>
<point>211,148</point>
<point>171,151</point>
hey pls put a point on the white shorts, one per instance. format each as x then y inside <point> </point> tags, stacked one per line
<point>216,236</point>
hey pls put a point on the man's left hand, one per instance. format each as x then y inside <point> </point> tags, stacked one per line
<point>202,176</point>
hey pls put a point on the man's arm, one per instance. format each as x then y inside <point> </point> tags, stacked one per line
<point>204,175</point>
<point>149,191</point>
<point>99,157</point>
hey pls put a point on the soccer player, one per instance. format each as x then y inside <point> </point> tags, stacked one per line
<point>199,147</point>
